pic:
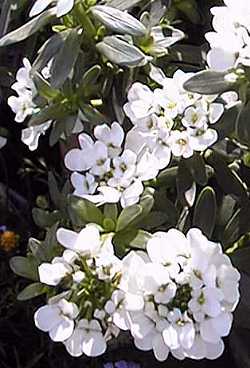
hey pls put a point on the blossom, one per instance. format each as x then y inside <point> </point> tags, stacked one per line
<point>180,144</point>
<point>87,338</point>
<point>87,242</point>
<point>112,137</point>
<point>52,273</point>
<point>230,41</point>
<point>57,319</point>
<point>63,7</point>
<point>22,106</point>
<point>31,135</point>
<point>141,103</point>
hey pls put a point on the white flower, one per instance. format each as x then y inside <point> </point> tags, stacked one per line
<point>179,142</point>
<point>52,273</point>
<point>87,242</point>
<point>83,184</point>
<point>201,138</point>
<point>156,282</point>
<point>169,249</point>
<point>22,106</point>
<point>100,163</point>
<point>205,301</point>
<point>194,117</point>
<point>80,159</point>
<point>141,103</point>
<point>127,197</point>
<point>63,7</point>
<point>124,169</point>
<point>24,81</point>
<point>112,137</point>
<point>184,328</point>
<point>31,135</point>
<point>87,338</point>
<point>212,329</point>
<point>57,319</point>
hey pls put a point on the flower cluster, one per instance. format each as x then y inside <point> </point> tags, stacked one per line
<point>177,297</point>
<point>87,274</point>
<point>23,104</point>
<point>171,120</point>
<point>230,41</point>
<point>167,121</point>
<point>116,173</point>
<point>184,291</point>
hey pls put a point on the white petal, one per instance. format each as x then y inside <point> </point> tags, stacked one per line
<point>39,6</point>
<point>88,240</point>
<point>207,331</point>
<point>220,60</point>
<point>198,350</point>
<point>170,337</point>
<point>161,350</point>
<point>214,351</point>
<point>64,7</point>
<point>133,302</point>
<point>74,343</point>
<point>3,142</point>
<point>110,195</point>
<point>67,238</point>
<point>51,274</point>
<point>120,319</point>
<point>223,323</point>
<point>187,335</point>
<point>47,317</point>
<point>94,344</point>
<point>144,344</point>
<point>62,331</point>
<point>75,160</point>
<point>131,195</point>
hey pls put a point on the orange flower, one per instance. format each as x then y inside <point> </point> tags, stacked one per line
<point>8,241</point>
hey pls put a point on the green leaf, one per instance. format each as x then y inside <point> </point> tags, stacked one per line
<point>197,168</point>
<point>44,219</point>
<point>25,266</point>
<point>226,125</point>
<point>52,112</point>
<point>205,211</point>
<point>241,259</point>
<point>54,192</point>
<point>128,216</point>
<point>184,181</point>
<point>237,226</point>
<point>91,114</point>
<point>166,178</point>
<point>82,211</point>
<point>118,21</point>
<point>44,88</point>
<point>64,61</point>
<point>243,124</point>
<point>130,239</point>
<point>48,50</point>
<point>227,179</point>
<point>208,82</point>
<point>110,211</point>
<point>132,215</point>
<point>29,28</point>
<point>121,52</point>
<point>91,76</point>
<point>32,291</point>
